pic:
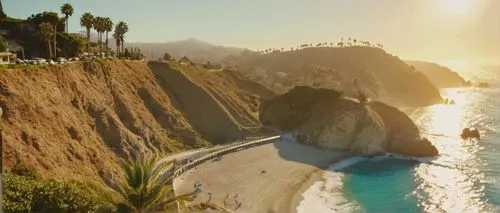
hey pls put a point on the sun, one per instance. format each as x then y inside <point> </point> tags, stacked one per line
<point>456,6</point>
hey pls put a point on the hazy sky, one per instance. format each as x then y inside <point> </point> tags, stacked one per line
<point>412,29</point>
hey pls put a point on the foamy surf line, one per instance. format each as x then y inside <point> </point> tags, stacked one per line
<point>326,196</point>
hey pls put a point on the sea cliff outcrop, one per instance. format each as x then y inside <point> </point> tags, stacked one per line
<point>323,118</point>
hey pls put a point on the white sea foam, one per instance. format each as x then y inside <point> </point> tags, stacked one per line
<point>339,166</point>
<point>326,196</point>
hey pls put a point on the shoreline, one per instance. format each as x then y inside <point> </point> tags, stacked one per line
<point>296,197</point>
<point>311,178</point>
<point>268,178</point>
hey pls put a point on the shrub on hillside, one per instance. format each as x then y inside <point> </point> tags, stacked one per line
<point>70,45</point>
<point>17,193</point>
<point>3,44</point>
<point>53,196</point>
<point>23,170</point>
<point>23,194</point>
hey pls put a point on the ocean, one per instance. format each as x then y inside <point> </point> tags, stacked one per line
<point>464,178</point>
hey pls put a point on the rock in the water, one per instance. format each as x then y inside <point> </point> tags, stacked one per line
<point>483,85</point>
<point>322,118</point>
<point>468,133</point>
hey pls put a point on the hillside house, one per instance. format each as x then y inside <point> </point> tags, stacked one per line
<point>184,61</point>
<point>7,57</point>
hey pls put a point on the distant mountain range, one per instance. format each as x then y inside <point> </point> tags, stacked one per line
<point>196,50</point>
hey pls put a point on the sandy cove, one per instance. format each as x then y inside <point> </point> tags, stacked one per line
<point>267,178</point>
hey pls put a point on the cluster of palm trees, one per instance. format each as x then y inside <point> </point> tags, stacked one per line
<point>350,42</point>
<point>100,24</point>
<point>103,25</point>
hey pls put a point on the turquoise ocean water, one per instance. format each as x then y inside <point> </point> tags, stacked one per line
<point>464,178</point>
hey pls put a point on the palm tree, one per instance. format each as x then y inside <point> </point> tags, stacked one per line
<point>145,186</point>
<point>67,10</point>
<point>116,36</point>
<point>108,27</point>
<point>122,29</point>
<point>87,21</point>
<point>2,14</point>
<point>47,32</point>
<point>99,27</point>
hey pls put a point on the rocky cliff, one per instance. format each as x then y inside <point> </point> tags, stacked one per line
<point>77,120</point>
<point>221,105</point>
<point>322,117</point>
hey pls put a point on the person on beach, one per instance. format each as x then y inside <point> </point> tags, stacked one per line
<point>197,187</point>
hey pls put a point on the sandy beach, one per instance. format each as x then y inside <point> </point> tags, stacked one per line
<point>268,178</point>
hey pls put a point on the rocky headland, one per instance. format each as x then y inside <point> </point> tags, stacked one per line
<point>326,119</point>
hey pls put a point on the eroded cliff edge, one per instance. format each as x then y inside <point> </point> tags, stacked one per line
<point>324,118</point>
<point>76,121</point>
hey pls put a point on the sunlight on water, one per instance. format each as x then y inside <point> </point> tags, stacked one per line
<point>464,178</point>
<point>453,182</point>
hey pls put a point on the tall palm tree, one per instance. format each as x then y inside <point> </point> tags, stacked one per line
<point>145,185</point>
<point>87,21</point>
<point>2,14</point>
<point>99,27</point>
<point>121,29</point>
<point>116,36</point>
<point>108,27</point>
<point>47,32</point>
<point>67,10</point>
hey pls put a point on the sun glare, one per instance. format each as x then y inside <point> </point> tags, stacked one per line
<point>456,6</point>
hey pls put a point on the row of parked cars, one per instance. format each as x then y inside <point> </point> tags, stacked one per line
<point>59,60</point>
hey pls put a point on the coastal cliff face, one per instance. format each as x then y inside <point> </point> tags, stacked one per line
<point>440,76</point>
<point>77,121</point>
<point>221,105</point>
<point>321,117</point>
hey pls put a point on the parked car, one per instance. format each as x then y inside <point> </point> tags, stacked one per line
<point>20,61</point>
<point>61,60</point>
<point>40,60</point>
<point>51,62</point>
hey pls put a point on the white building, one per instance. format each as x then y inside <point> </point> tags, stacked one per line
<point>7,57</point>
